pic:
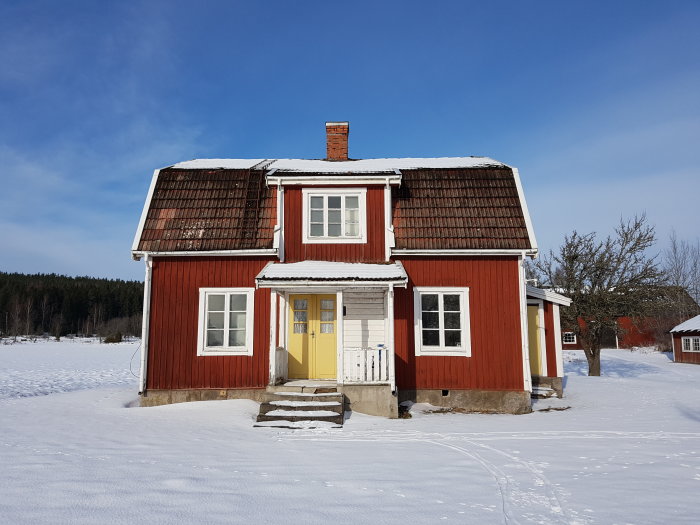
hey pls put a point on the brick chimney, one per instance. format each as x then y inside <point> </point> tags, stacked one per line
<point>337,140</point>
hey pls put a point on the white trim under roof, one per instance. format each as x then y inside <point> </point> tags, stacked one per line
<point>691,325</point>
<point>526,212</point>
<point>211,253</point>
<point>295,179</point>
<point>144,214</point>
<point>450,253</point>
<point>547,295</point>
<point>330,273</point>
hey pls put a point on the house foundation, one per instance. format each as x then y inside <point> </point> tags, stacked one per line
<point>482,401</point>
<point>166,397</point>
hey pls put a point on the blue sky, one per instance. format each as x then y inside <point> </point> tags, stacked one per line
<point>597,104</point>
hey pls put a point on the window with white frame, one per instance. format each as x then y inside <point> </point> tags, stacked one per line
<point>225,321</point>
<point>441,317</point>
<point>334,215</point>
<point>691,344</point>
<point>569,338</point>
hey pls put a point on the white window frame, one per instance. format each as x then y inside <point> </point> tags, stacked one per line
<point>690,339</point>
<point>360,193</point>
<point>461,351</point>
<point>202,348</point>
<point>563,336</point>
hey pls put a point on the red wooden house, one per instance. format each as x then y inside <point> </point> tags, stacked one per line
<point>388,279</point>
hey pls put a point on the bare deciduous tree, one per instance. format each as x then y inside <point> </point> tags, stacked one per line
<point>681,262</point>
<point>606,279</point>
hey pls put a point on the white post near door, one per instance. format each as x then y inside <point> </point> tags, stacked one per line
<point>390,347</point>
<point>339,338</point>
<point>273,337</point>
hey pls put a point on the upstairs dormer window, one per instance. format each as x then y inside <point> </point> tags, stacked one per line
<point>335,215</point>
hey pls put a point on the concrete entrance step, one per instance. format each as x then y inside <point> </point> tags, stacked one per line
<point>542,392</point>
<point>308,386</point>
<point>302,407</point>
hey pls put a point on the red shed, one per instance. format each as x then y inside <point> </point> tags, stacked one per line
<point>383,280</point>
<point>686,341</point>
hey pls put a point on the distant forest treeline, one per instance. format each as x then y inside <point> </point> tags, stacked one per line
<point>60,305</point>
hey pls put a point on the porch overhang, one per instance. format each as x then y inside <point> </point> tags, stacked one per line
<point>329,274</point>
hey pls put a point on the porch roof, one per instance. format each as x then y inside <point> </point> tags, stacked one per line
<point>328,272</point>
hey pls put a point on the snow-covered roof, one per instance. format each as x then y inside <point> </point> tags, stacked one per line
<point>327,271</point>
<point>347,166</point>
<point>691,325</point>
<point>213,164</point>
<point>547,295</point>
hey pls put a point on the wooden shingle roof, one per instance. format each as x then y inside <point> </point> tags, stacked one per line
<point>209,210</point>
<point>223,205</point>
<point>449,209</point>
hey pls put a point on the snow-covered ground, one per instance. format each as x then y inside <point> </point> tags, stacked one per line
<point>72,451</point>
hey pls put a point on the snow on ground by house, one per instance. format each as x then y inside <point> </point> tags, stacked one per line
<point>627,451</point>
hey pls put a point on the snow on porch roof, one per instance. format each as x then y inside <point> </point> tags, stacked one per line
<point>691,325</point>
<point>327,271</point>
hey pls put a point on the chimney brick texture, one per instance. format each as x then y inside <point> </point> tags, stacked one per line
<point>337,140</point>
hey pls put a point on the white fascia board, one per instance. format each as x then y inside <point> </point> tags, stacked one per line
<point>144,214</point>
<point>221,253</point>
<point>449,253</point>
<point>332,180</point>
<point>547,295</point>
<point>289,283</point>
<point>526,212</point>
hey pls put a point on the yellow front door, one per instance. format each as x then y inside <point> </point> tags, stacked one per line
<point>312,342</point>
<point>533,332</point>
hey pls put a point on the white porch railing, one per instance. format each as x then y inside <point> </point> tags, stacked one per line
<point>366,365</point>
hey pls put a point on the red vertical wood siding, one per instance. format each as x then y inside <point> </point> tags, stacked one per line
<point>549,341</point>
<point>172,354</point>
<point>679,356</point>
<point>639,334</point>
<point>496,361</point>
<point>371,251</point>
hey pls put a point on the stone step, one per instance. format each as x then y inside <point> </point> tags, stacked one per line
<point>299,396</point>
<point>305,415</point>
<point>281,423</point>
<point>301,405</point>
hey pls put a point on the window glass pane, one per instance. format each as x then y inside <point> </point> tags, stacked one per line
<point>215,320</point>
<point>696,345</point>
<point>334,202</point>
<point>317,203</point>
<point>327,304</point>
<point>300,304</point>
<point>216,302</point>
<point>431,338</point>
<point>452,320</point>
<point>431,320</point>
<point>333,216</point>
<point>352,202</point>
<point>334,230</point>
<point>327,315</point>
<point>236,338</point>
<point>237,320</point>
<point>238,303</point>
<point>451,303</point>
<point>453,337</point>
<point>299,328</point>
<point>429,302</point>
<point>326,328</point>
<point>352,215</point>
<point>300,316</point>
<point>316,230</point>
<point>686,344</point>
<point>352,230</point>
<point>317,216</point>
<point>215,338</point>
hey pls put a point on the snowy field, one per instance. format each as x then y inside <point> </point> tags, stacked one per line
<point>72,451</point>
